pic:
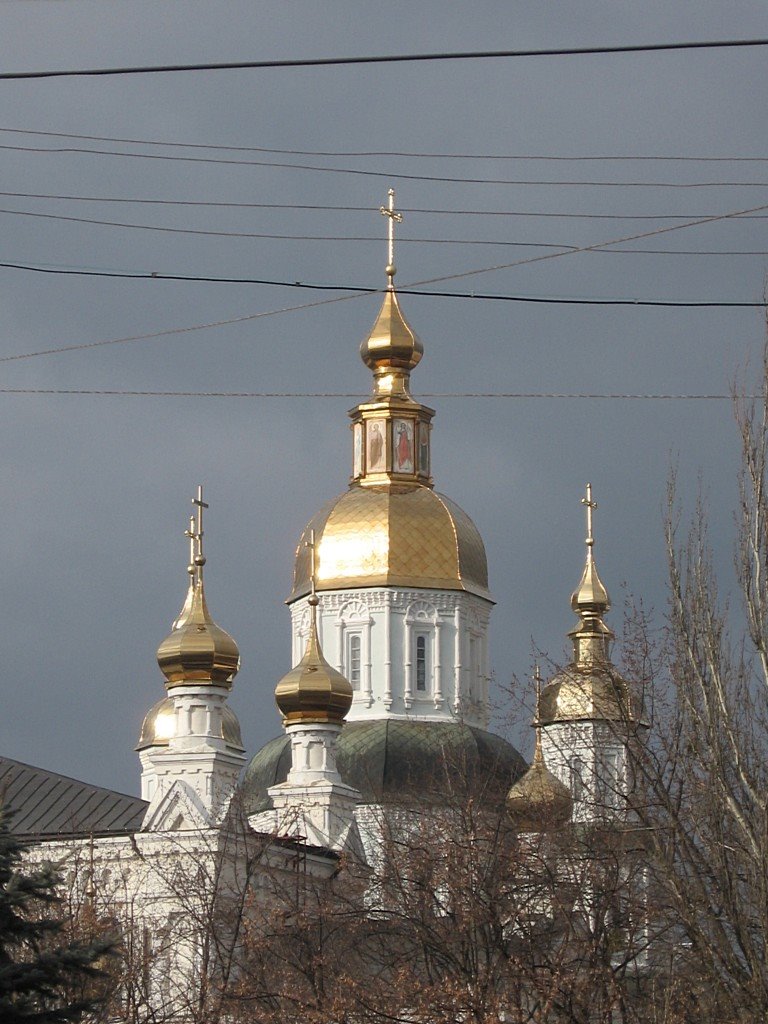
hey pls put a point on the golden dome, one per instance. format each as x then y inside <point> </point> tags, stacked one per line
<point>313,691</point>
<point>197,650</point>
<point>586,693</point>
<point>539,801</point>
<point>392,343</point>
<point>406,536</point>
<point>159,726</point>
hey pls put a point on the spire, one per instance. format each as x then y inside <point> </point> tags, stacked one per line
<point>392,349</point>
<point>197,650</point>
<point>313,691</point>
<point>538,801</point>
<point>391,430</point>
<point>590,601</point>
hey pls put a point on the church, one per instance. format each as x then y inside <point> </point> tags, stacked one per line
<point>388,694</point>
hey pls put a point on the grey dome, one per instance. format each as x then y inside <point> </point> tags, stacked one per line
<point>387,757</point>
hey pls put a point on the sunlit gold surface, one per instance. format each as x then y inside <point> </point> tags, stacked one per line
<point>588,693</point>
<point>538,800</point>
<point>159,726</point>
<point>198,650</point>
<point>313,691</point>
<point>393,536</point>
<point>392,343</point>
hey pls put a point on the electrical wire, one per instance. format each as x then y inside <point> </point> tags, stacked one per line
<point>718,44</point>
<point>373,238</point>
<point>356,295</point>
<point>364,209</point>
<point>480,296</point>
<point>356,395</point>
<point>394,175</point>
<point>379,153</point>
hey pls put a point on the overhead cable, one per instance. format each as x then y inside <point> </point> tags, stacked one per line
<point>277,236</point>
<point>217,204</point>
<point>356,395</point>
<point>393,153</point>
<point>479,296</point>
<point>718,44</point>
<point>356,295</point>
<point>396,175</point>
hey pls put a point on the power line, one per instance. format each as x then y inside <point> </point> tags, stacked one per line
<point>392,153</point>
<point>356,395</point>
<point>719,44</point>
<point>492,296</point>
<point>565,215</point>
<point>507,243</point>
<point>396,175</point>
<point>347,297</point>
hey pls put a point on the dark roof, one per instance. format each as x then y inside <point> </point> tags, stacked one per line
<point>387,757</point>
<point>44,805</point>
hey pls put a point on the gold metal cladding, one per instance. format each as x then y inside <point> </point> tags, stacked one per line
<point>587,694</point>
<point>159,726</point>
<point>539,799</point>
<point>313,691</point>
<point>405,536</point>
<point>197,650</point>
<point>391,345</point>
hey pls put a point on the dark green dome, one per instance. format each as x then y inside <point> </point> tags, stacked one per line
<point>388,757</point>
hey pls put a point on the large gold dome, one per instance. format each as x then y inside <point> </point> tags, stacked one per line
<point>405,536</point>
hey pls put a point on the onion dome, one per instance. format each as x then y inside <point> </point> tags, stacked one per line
<point>392,345</point>
<point>313,691</point>
<point>391,759</point>
<point>589,688</point>
<point>539,801</point>
<point>197,650</point>
<point>159,726</point>
<point>392,536</point>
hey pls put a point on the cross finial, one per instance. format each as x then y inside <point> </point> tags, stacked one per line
<point>390,212</point>
<point>591,505</point>
<point>196,531</point>
<point>537,754</point>
<point>313,567</point>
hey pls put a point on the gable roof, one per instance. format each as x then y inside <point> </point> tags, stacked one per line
<point>45,805</point>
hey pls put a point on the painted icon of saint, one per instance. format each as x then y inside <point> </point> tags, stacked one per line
<point>403,446</point>
<point>375,448</point>
<point>357,449</point>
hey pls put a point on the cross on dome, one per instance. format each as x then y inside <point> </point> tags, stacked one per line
<point>393,217</point>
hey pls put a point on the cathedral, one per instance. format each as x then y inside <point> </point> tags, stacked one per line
<point>390,610</point>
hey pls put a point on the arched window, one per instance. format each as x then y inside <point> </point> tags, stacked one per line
<point>354,658</point>
<point>422,662</point>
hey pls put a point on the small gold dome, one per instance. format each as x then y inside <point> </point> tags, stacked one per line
<point>392,343</point>
<point>197,650</point>
<point>159,726</point>
<point>313,691</point>
<point>406,536</point>
<point>590,597</point>
<point>538,801</point>
<point>587,693</point>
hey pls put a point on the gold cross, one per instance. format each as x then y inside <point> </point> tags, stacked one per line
<point>313,565</point>
<point>191,533</point>
<point>590,506</point>
<point>390,212</point>
<point>198,529</point>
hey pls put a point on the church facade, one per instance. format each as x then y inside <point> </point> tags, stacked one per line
<point>390,612</point>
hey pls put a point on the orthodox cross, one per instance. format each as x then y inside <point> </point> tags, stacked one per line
<point>313,566</point>
<point>196,529</point>
<point>390,212</point>
<point>590,506</point>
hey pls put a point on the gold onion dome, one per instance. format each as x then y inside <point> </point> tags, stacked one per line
<point>392,343</point>
<point>589,688</point>
<point>159,726</point>
<point>313,691</point>
<point>538,801</point>
<point>197,650</point>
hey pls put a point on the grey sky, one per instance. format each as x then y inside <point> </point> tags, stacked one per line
<point>96,490</point>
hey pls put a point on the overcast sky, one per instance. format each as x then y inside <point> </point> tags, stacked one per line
<point>95,489</point>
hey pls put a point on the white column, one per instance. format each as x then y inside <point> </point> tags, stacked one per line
<point>408,642</point>
<point>387,654</point>
<point>438,690</point>
<point>367,679</point>
<point>458,690</point>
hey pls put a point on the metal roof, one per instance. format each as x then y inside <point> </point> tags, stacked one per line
<point>45,805</point>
